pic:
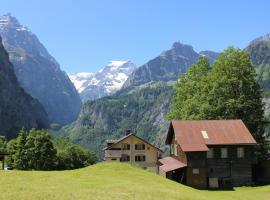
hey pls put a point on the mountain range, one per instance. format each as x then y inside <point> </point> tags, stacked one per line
<point>105,82</point>
<point>144,100</point>
<point>38,72</point>
<point>122,96</point>
<point>140,105</point>
<point>117,74</point>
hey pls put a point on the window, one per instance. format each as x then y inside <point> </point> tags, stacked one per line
<point>125,158</point>
<point>175,149</point>
<point>126,146</point>
<point>140,158</point>
<point>139,146</point>
<point>210,153</point>
<point>224,153</point>
<point>172,149</point>
<point>240,152</point>
<point>195,171</point>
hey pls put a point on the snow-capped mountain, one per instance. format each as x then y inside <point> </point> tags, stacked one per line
<point>81,80</point>
<point>105,82</point>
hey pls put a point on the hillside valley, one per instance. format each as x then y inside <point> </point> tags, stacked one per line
<point>140,109</point>
<point>141,105</point>
<point>144,101</point>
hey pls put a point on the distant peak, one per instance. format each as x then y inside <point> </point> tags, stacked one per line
<point>178,45</point>
<point>265,38</point>
<point>9,21</point>
<point>116,63</point>
<point>9,18</point>
<point>8,14</point>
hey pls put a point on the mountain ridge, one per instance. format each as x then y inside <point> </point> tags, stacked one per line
<point>168,66</point>
<point>38,72</point>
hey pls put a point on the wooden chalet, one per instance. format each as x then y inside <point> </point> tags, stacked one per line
<point>209,153</point>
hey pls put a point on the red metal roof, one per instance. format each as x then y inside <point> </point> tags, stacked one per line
<point>170,163</point>
<point>189,134</point>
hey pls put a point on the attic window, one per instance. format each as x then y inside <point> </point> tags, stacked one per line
<point>204,134</point>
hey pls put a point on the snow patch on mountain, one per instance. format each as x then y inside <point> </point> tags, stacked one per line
<point>81,80</point>
<point>105,82</point>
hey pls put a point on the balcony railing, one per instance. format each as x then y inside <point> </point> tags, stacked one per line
<point>113,153</point>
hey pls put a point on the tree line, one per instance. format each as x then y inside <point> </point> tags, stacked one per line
<point>37,150</point>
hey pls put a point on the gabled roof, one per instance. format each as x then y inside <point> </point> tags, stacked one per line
<point>196,135</point>
<point>170,163</point>
<point>123,138</point>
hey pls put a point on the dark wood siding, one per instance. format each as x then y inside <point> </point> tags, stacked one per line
<point>196,160</point>
<point>238,170</point>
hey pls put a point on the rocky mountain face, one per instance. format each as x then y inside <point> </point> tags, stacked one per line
<point>17,108</point>
<point>259,52</point>
<point>166,67</point>
<point>105,82</point>
<point>39,73</point>
<point>211,55</point>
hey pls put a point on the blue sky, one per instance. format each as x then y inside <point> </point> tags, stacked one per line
<point>83,35</point>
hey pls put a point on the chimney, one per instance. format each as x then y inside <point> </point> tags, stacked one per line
<point>128,132</point>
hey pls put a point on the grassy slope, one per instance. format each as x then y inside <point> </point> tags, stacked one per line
<point>109,181</point>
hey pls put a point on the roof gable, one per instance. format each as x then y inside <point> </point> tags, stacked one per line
<point>127,136</point>
<point>195,135</point>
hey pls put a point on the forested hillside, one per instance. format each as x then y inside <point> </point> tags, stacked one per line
<point>141,109</point>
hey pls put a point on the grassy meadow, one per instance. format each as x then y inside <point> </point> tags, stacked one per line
<point>109,181</point>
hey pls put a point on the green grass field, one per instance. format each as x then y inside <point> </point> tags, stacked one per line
<point>109,181</point>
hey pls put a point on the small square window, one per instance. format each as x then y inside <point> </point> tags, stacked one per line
<point>224,153</point>
<point>140,158</point>
<point>195,171</point>
<point>240,152</point>
<point>139,147</point>
<point>125,158</point>
<point>210,153</point>
<point>126,146</point>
